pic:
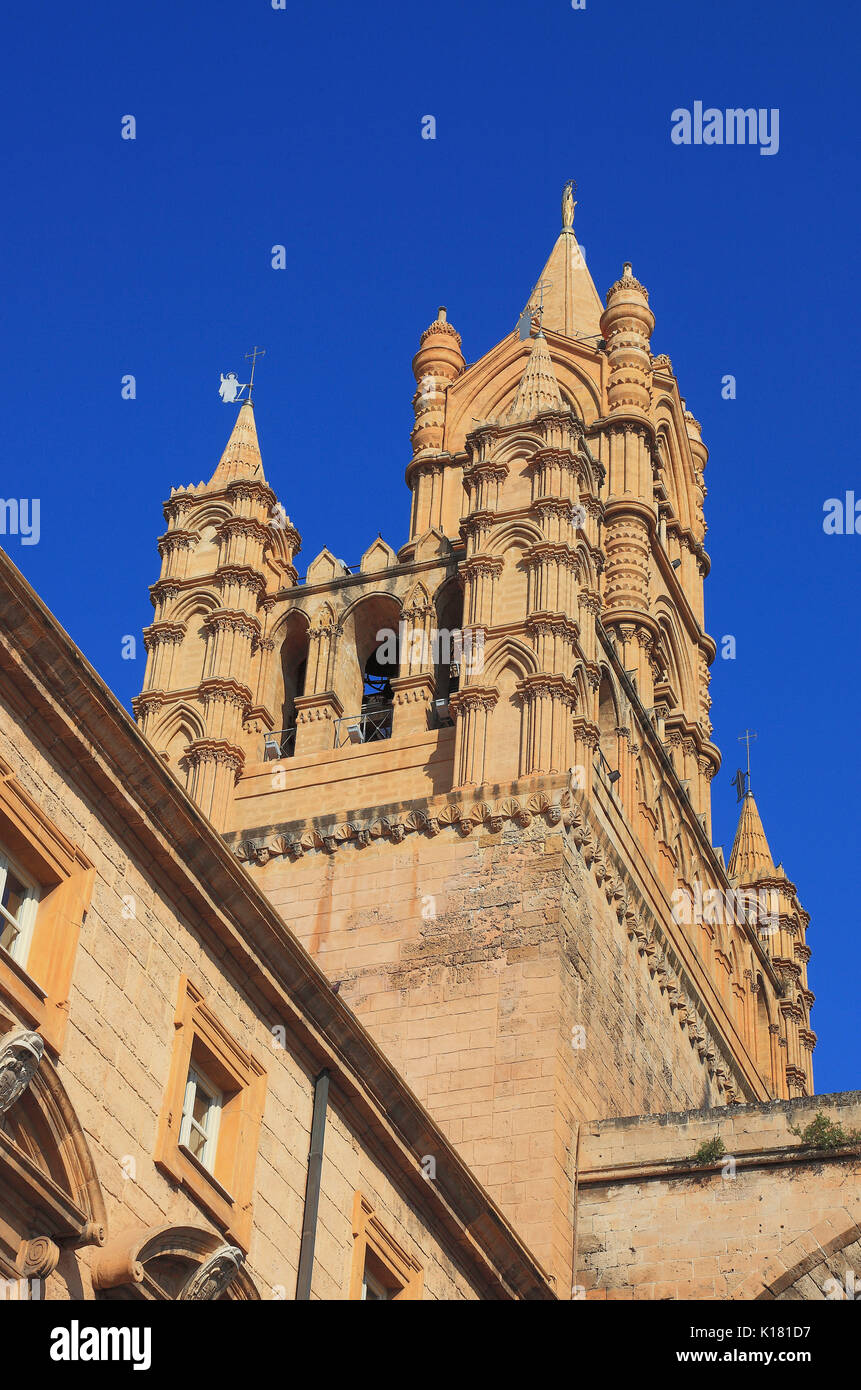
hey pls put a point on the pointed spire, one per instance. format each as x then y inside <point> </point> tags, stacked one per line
<point>241,457</point>
<point>572,305</point>
<point>750,859</point>
<point>538,389</point>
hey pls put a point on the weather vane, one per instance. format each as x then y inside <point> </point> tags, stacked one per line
<point>524,323</point>
<point>231,388</point>
<point>742,779</point>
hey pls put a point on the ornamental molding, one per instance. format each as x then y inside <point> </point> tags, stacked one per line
<point>234,620</point>
<point>473,698</point>
<point>176,540</point>
<point>438,327</point>
<point>481,565</point>
<point>225,691</point>
<point>553,625</point>
<point>244,526</point>
<point>626,282</point>
<point>164,631</point>
<point>246,489</point>
<point>208,750</point>
<point>240,574</point>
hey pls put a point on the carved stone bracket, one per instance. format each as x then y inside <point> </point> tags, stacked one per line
<point>20,1055</point>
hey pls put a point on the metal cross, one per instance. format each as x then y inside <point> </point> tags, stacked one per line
<point>746,738</point>
<point>254,354</point>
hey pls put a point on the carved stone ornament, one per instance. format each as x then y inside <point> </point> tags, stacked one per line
<point>20,1055</point>
<point>38,1258</point>
<point>212,1278</point>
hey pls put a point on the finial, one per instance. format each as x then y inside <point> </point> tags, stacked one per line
<point>628,269</point>
<point>440,313</point>
<point>742,779</point>
<point>568,206</point>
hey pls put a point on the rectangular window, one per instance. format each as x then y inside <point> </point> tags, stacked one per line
<point>382,1270</point>
<point>201,1112</point>
<point>210,1121</point>
<point>18,899</point>
<point>46,883</point>
<point>374,1290</point>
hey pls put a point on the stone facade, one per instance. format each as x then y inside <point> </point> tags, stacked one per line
<point>457,796</point>
<point>176,954</point>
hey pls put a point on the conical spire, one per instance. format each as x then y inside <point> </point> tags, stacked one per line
<point>538,389</point>
<point>571,303</point>
<point>750,859</point>
<point>241,457</point>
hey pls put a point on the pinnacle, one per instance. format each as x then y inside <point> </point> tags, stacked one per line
<point>538,389</point>
<point>241,457</point>
<point>750,859</point>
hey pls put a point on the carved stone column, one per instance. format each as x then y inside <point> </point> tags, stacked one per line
<point>213,768</point>
<point>472,709</point>
<point>547,703</point>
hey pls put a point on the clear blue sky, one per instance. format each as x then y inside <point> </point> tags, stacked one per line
<point>302,127</point>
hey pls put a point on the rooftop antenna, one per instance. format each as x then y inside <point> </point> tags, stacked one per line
<point>524,324</point>
<point>742,779</point>
<point>254,354</point>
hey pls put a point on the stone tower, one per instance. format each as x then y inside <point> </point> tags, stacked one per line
<point>473,774</point>
<point>227,542</point>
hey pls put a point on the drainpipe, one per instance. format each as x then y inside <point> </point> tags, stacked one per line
<point>312,1188</point>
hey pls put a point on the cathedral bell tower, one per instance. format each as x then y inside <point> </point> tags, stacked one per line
<point>474,773</point>
<point>227,544</point>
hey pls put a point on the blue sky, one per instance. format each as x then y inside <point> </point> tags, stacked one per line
<point>302,127</point>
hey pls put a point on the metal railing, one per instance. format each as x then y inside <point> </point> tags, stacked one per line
<point>371,726</point>
<point>280,743</point>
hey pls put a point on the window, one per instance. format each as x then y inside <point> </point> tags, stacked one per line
<point>46,883</point>
<point>211,1116</point>
<point>200,1116</point>
<point>374,1288</point>
<point>18,899</point>
<point>382,1269</point>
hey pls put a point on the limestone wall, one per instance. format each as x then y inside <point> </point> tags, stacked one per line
<point>770,1219</point>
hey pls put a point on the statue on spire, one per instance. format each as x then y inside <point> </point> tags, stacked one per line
<point>568,206</point>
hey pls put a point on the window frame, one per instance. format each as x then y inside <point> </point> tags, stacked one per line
<point>199,1081</point>
<point>370,1237</point>
<point>202,1044</point>
<point>20,948</point>
<point>38,986</point>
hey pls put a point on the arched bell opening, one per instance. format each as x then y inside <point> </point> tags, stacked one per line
<point>372,629</point>
<point>453,656</point>
<point>290,682</point>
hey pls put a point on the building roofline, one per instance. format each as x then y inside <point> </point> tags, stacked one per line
<point>73,707</point>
